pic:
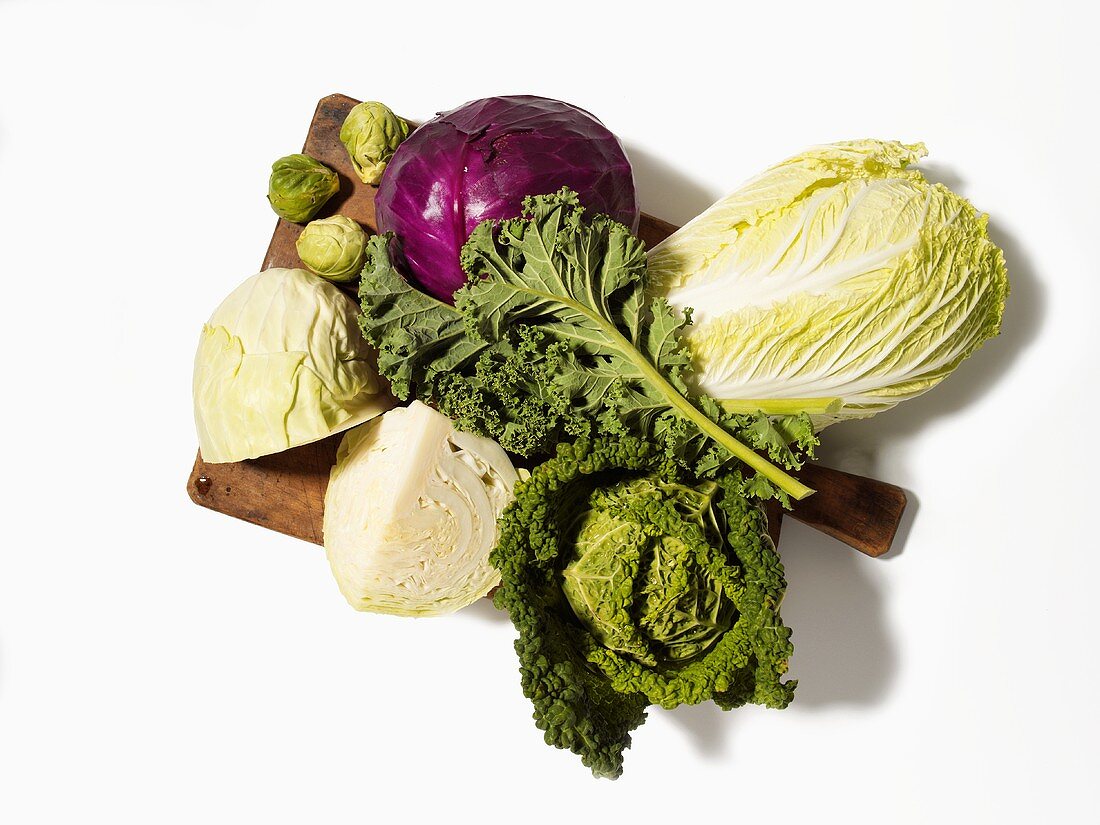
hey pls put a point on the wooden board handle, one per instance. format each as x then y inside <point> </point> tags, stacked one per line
<point>286,492</point>
<point>861,512</point>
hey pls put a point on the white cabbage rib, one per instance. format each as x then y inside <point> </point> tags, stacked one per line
<point>839,273</point>
<point>411,513</point>
<point>281,363</point>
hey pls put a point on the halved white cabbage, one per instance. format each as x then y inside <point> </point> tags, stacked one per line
<point>411,513</point>
<point>839,281</point>
<point>282,363</point>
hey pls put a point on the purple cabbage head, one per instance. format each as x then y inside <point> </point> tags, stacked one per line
<point>480,161</point>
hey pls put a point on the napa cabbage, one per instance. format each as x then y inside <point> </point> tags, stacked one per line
<point>839,282</point>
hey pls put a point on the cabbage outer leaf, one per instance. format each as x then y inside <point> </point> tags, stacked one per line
<point>281,363</point>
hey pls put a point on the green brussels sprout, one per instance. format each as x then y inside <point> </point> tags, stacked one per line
<point>300,186</point>
<point>371,133</point>
<point>333,248</point>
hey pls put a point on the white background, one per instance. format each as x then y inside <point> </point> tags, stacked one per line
<point>161,663</point>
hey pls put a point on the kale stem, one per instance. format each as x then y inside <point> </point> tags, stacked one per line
<point>783,480</point>
<point>683,406</point>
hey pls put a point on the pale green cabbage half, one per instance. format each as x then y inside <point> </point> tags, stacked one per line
<point>411,513</point>
<point>839,282</point>
<point>282,363</point>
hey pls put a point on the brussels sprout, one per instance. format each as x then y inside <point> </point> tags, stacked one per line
<point>371,132</point>
<point>333,248</point>
<point>299,187</point>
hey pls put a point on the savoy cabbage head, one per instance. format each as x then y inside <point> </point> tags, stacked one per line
<point>632,584</point>
<point>651,588</point>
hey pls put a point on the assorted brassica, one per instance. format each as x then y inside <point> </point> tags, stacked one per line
<point>478,162</point>
<point>553,337</point>
<point>281,363</point>
<point>411,513</point>
<point>661,398</point>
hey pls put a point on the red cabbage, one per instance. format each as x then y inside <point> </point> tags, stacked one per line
<point>480,161</point>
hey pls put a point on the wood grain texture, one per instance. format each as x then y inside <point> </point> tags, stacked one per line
<point>861,512</point>
<point>286,491</point>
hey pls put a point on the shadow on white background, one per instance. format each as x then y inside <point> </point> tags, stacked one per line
<point>665,192</point>
<point>844,652</point>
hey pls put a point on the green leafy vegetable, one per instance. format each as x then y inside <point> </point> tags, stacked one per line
<point>553,338</point>
<point>632,584</point>
<point>840,281</point>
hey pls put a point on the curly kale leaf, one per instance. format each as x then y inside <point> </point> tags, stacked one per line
<point>418,338</point>
<point>502,389</point>
<point>632,584</point>
<point>553,338</point>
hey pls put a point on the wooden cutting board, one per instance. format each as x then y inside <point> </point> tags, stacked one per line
<point>286,491</point>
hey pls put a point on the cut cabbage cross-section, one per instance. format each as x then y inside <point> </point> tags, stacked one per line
<point>411,513</point>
